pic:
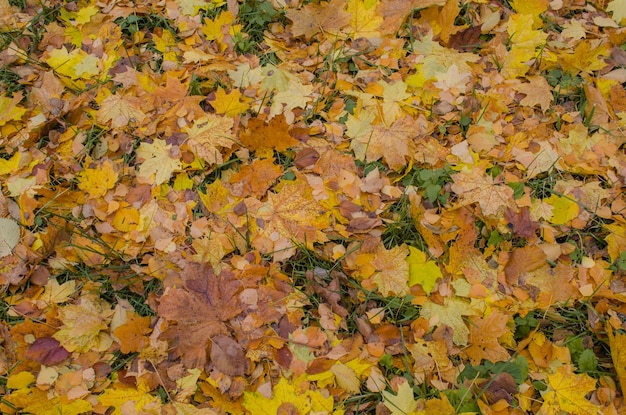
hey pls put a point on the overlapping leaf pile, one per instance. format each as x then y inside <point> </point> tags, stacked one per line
<point>354,206</point>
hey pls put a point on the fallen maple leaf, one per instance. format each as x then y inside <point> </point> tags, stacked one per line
<point>391,274</point>
<point>484,335</point>
<point>85,324</point>
<point>209,135</point>
<point>133,333</point>
<point>158,163</point>
<point>537,91</point>
<point>98,181</point>
<point>198,312</point>
<point>328,17</point>
<point>401,403</point>
<point>451,314</point>
<point>566,393</point>
<point>124,399</point>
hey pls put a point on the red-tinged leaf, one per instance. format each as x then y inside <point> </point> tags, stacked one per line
<point>47,351</point>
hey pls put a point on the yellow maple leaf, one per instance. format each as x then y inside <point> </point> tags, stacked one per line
<point>120,110</point>
<point>126,218</point>
<point>586,58</point>
<point>214,29</point>
<point>125,399</point>
<point>98,181</point>
<point>451,314</point>
<point>474,186</point>
<point>56,293</point>
<point>564,209</point>
<point>132,335</point>
<point>166,44</point>
<point>10,109</point>
<point>43,405</point>
<point>442,19</point>
<point>287,399</point>
<point>531,7</point>
<point>617,344</point>
<point>84,325</point>
<point>20,380</point>
<point>365,20</point>
<point>401,403</point>
<point>158,164</point>
<point>566,393</point>
<point>76,64</point>
<point>208,135</point>
<point>295,213</point>
<point>525,45</point>
<point>230,104</point>
<point>616,239</point>
<point>11,165</point>
<point>328,18</point>
<point>421,271</point>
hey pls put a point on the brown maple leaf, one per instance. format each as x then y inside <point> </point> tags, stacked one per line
<point>199,311</point>
<point>521,223</point>
<point>328,17</point>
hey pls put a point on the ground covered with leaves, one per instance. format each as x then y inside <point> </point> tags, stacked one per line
<point>309,207</point>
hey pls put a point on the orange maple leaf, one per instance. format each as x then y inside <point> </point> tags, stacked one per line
<point>484,335</point>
